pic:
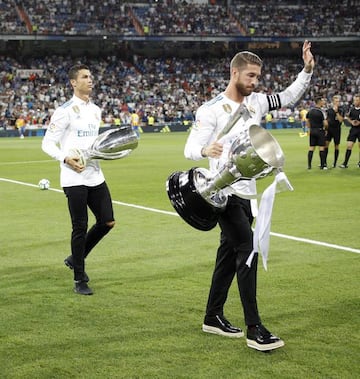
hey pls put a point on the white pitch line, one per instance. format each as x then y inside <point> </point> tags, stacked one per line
<point>306,240</point>
<point>285,236</point>
<point>26,162</point>
<point>26,184</point>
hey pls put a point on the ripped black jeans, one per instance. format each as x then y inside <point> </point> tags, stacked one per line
<point>98,199</point>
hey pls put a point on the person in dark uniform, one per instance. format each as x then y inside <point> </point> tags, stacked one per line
<point>335,117</point>
<point>354,133</point>
<point>317,125</point>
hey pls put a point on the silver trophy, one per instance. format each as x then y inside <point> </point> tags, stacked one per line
<point>198,195</point>
<point>111,144</point>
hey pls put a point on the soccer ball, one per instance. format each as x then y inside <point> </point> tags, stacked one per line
<point>44,184</point>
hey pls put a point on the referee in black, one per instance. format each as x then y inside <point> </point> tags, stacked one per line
<point>317,125</point>
<point>354,133</point>
<point>335,117</point>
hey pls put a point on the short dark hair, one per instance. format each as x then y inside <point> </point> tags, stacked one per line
<point>74,70</point>
<point>318,98</point>
<point>245,57</point>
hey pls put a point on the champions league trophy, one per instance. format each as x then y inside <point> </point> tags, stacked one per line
<point>198,195</point>
<point>111,144</point>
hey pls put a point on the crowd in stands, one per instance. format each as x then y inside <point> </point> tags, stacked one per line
<point>298,18</point>
<point>187,19</point>
<point>169,89</point>
<point>10,22</point>
<point>291,18</point>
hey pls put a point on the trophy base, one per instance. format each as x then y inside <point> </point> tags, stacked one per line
<point>188,203</point>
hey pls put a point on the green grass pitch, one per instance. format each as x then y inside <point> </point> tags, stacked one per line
<point>151,274</point>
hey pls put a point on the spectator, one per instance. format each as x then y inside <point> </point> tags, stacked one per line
<point>20,124</point>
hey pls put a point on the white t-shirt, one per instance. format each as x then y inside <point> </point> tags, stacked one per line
<point>75,124</point>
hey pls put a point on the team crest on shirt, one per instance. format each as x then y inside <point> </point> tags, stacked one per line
<point>76,109</point>
<point>251,109</point>
<point>227,108</point>
<point>196,125</point>
<point>52,127</point>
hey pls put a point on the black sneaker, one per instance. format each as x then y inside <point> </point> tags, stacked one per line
<point>69,263</point>
<point>221,326</point>
<point>82,288</point>
<point>259,338</point>
<point>343,166</point>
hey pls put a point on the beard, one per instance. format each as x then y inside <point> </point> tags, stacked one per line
<point>244,91</point>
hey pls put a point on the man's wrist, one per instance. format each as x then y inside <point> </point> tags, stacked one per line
<point>203,152</point>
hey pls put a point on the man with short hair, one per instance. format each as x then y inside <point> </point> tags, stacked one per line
<point>75,125</point>
<point>317,124</point>
<point>354,133</point>
<point>236,240</point>
<point>335,117</point>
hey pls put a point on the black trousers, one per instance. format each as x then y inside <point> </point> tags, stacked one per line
<point>98,199</point>
<point>236,244</point>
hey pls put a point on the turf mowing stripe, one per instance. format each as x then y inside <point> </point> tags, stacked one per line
<point>146,208</point>
<point>299,239</point>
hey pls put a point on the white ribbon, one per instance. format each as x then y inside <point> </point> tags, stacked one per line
<point>261,239</point>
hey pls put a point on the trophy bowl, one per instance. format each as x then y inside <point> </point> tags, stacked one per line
<point>111,144</point>
<point>114,143</point>
<point>197,194</point>
<point>256,153</point>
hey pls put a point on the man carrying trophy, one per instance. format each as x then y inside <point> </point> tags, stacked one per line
<point>219,123</point>
<point>72,138</point>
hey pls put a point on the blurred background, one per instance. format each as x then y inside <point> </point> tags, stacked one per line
<point>162,59</point>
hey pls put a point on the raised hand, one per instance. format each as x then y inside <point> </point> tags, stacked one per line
<point>308,58</point>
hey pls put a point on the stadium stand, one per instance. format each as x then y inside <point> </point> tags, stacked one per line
<point>167,76</point>
<point>262,18</point>
<point>170,89</point>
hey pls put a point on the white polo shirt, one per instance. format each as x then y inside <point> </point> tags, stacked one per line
<point>75,124</point>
